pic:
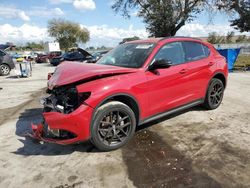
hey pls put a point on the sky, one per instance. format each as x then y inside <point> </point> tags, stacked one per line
<point>24,21</point>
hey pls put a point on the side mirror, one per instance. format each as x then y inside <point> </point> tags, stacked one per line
<point>160,64</point>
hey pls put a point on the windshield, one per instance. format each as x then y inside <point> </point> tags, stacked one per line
<point>128,55</point>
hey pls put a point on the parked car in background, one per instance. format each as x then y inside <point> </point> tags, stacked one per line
<point>6,63</point>
<point>98,55</point>
<point>135,83</point>
<point>75,54</point>
<point>46,58</point>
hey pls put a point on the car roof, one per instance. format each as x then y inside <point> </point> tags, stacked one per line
<point>156,40</point>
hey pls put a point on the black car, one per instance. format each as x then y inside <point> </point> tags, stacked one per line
<point>6,63</point>
<point>74,55</point>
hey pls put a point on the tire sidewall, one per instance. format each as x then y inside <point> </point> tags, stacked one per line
<point>98,116</point>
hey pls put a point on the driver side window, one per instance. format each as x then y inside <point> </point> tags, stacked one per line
<point>172,52</point>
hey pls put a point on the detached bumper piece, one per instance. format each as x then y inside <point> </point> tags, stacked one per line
<point>66,117</point>
<point>64,128</point>
<point>43,133</point>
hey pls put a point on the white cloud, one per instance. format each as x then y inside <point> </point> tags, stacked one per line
<point>199,30</point>
<point>58,11</point>
<point>84,4</point>
<point>111,36</point>
<point>101,34</point>
<point>23,16</point>
<point>22,34</point>
<point>60,1</point>
<point>13,13</point>
<point>45,12</point>
<point>78,4</point>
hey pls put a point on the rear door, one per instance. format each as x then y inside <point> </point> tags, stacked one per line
<point>167,87</point>
<point>199,64</point>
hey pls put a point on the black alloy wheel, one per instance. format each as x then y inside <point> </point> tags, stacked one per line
<point>215,94</point>
<point>114,125</point>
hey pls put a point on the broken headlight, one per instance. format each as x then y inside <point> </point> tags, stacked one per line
<point>64,100</point>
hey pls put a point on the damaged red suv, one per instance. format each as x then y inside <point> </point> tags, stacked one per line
<point>133,84</point>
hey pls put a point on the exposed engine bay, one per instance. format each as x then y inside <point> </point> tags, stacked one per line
<point>63,99</point>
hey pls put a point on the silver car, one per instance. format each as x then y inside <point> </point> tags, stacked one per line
<point>6,63</point>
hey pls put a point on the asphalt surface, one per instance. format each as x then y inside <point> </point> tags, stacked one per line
<point>194,148</point>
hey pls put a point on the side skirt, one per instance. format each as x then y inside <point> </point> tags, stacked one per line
<point>172,111</point>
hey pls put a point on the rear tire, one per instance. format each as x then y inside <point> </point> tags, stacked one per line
<point>4,70</point>
<point>214,94</point>
<point>113,125</point>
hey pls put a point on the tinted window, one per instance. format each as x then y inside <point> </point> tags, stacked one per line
<point>195,51</point>
<point>173,52</point>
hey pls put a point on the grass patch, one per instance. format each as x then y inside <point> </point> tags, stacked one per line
<point>243,61</point>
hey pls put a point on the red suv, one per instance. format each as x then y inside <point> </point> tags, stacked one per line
<point>133,84</point>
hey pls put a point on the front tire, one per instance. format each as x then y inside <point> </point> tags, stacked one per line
<point>214,94</point>
<point>113,125</point>
<point>4,70</point>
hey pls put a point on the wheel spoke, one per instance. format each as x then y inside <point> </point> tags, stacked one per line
<point>119,137</point>
<point>217,98</point>
<point>104,130</point>
<point>122,119</point>
<point>106,122</point>
<point>112,137</point>
<point>124,132</point>
<point>213,100</point>
<point>123,126</point>
<point>104,138</point>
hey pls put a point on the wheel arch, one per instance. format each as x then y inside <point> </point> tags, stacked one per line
<point>5,64</point>
<point>125,98</point>
<point>220,76</point>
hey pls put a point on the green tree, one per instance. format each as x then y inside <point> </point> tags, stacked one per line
<point>129,39</point>
<point>241,38</point>
<point>162,17</point>
<point>240,7</point>
<point>229,37</point>
<point>67,33</point>
<point>34,46</point>
<point>212,38</point>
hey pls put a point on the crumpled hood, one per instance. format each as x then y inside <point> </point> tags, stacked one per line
<point>70,72</point>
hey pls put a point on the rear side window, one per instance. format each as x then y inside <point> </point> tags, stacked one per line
<point>195,51</point>
<point>173,52</point>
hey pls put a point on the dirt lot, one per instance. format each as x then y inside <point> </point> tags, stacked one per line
<point>195,148</point>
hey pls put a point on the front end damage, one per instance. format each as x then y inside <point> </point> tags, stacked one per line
<point>66,116</point>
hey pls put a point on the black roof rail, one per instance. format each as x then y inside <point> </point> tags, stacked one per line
<point>181,37</point>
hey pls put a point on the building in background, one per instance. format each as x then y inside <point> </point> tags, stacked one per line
<point>52,47</point>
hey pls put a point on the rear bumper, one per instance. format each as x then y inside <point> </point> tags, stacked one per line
<point>77,124</point>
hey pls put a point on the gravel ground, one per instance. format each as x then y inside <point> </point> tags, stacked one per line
<point>195,148</point>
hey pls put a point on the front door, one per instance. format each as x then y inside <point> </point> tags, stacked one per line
<point>167,87</point>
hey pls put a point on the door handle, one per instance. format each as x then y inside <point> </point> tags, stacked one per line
<point>211,63</point>
<point>183,71</point>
